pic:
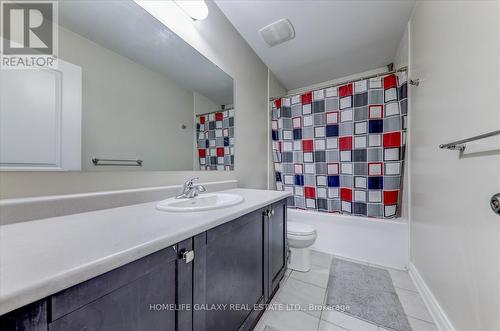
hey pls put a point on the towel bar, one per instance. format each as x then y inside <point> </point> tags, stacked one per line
<point>116,162</point>
<point>460,144</point>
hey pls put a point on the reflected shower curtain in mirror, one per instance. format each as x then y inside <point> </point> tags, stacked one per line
<point>215,140</point>
<point>341,149</point>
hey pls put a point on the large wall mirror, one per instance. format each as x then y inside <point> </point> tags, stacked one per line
<point>128,94</point>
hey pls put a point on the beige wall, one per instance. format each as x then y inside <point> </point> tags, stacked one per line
<point>129,111</point>
<point>455,237</point>
<point>218,40</point>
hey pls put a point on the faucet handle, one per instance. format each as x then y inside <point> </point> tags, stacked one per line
<point>189,182</point>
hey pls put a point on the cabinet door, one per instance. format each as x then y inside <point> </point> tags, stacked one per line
<point>139,305</point>
<point>32,317</point>
<point>277,244</point>
<point>229,271</point>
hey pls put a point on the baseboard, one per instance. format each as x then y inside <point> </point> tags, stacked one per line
<point>442,321</point>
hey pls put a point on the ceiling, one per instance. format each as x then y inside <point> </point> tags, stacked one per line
<point>332,38</point>
<point>127,29</point>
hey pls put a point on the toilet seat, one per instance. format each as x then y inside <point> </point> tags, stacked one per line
<point>300,229</point>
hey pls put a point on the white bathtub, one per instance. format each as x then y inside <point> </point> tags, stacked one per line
<point>380,242</point>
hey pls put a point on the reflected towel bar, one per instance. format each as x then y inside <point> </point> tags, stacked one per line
<point>116,162</point>
<point>460,144</point>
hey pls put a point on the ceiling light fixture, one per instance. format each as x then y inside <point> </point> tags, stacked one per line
<point>196,9</point>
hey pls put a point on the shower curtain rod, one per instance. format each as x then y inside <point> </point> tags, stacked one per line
<point>347,81</point>
<point>214,111</point>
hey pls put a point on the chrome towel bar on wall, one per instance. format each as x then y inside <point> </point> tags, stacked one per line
<point>116,162</point>
<point>461,144</point>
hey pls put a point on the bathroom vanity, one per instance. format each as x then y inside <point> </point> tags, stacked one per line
<point>195,271</point>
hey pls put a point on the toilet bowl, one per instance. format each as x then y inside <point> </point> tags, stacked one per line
<point>300,237</point>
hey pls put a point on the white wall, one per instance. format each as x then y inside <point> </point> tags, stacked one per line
<point>129,111</point>
<point>455,237</point>
<point>402,53</point>
<point>217,39</point>
<point>203,105</point>
<point>401,59</point>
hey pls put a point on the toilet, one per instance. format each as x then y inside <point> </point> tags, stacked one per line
<point>300,237</point>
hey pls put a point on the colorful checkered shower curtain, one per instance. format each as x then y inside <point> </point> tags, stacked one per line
<point>341,149</point>
<point>215,140</point>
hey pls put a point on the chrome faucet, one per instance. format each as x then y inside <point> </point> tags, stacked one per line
<point>190,190</point>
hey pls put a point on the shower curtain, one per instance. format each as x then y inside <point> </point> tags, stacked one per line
<point>215,140</point>
<point>341,149</point>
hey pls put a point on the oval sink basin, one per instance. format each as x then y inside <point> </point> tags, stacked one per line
<point>201,202</point>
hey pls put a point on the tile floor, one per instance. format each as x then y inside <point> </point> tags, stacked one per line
<point>310,288</point>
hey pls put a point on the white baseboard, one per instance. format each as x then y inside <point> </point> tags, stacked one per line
<point>442,321</point>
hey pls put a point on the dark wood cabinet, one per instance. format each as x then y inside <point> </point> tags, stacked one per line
<point>32,317</point>
<point>229,275</point>
<point>136,296</point>
<point>128,308</point>
<point>236,267</point>
<point>278,247</point>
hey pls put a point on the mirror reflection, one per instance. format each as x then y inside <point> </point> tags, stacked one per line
<point>127,94</point>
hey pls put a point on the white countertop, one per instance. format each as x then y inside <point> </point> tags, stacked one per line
<point>42,257</point>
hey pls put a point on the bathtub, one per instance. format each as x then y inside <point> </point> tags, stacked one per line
<point>379,242</point>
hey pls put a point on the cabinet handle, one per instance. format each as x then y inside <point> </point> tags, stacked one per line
<point>268,212</point>
<point>188,256</point>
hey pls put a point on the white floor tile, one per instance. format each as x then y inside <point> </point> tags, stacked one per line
<point>327,326</point>
<point>402,280</point>
<point>287,321</point>
<point>284,279</point>
<point>346,321</point>
<point>317,276</point>
<point>297,292</point>
<point>321,259</point>
<point>419,325</point>
<point>413,304</point>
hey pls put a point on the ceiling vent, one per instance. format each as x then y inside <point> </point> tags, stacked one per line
<point>277,32</point>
